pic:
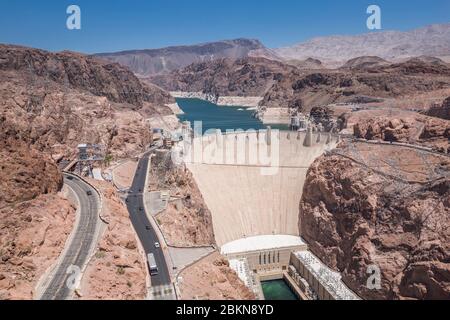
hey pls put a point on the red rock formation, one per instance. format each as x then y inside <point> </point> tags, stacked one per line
<point>225,77</point>
<point>25,173</point>
<point>415,129</point>
<point>385,206</point>
<point>62,99</point>
<point>212,279</point>
<point>32,235</point>
<point>186,221</point>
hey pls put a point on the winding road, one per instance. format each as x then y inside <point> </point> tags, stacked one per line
<point>147,235</point>
<point>81,243</point>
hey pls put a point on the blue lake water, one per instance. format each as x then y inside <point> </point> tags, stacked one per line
<point>223,118</point>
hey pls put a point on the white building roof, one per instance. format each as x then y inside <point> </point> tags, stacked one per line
<point>261,243</point>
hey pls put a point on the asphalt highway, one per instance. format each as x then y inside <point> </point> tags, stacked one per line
<point>81,243</point>
<point>142,225</point>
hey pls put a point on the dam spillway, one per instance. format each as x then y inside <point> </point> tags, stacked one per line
<point>244,200</point>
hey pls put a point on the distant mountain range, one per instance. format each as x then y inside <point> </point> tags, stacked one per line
<point>433,40</point>
<point>163,61</point>
<point>333,51</point>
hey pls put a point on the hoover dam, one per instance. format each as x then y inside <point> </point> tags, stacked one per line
<point>252,182</point>
<point>252,197</point>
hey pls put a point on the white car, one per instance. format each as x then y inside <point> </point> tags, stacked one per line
<point>157,245</point>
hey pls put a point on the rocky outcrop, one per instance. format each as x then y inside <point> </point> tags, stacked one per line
<point>417,129</point>
<point>308,64</point>
<point>212,279</point>
<point>442,111</point>
<point>383,206</point>
<point>187,220</point>
<point>364,63</point>
<point>25,172</point>
<point>225,77</point>
<point>359,86</point>
<point>32,235</point>
<point>323,116</point>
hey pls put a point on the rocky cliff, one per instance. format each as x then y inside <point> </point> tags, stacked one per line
<point>369,205</point>
<point>225,77</point>
<point>32,235</point>
<point>34,219</point>
<point>187,220</point>
<point>414,129</point>
<point>25,172</point>
<point>77,71</point>
<point>62,99</point>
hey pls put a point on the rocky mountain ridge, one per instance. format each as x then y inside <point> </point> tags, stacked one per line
<point>162,61</point>
<point>396,46</point>
<point>62,99</point>
<point>363,80</point>
<point>225,77</point>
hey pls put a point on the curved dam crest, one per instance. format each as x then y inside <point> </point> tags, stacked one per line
<point>246,203</point>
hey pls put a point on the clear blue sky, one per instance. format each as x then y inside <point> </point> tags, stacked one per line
<point>112,25</point>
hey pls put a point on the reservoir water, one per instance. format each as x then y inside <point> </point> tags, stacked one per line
<point>277,290</point>
<point>217,117</point>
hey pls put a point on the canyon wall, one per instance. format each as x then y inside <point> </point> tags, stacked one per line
<point>368,205</point>
<point>62,99</point>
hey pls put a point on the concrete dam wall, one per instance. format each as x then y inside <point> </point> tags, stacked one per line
<point>251,197</point>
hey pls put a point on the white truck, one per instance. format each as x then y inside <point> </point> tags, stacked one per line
<point>152,264</point>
